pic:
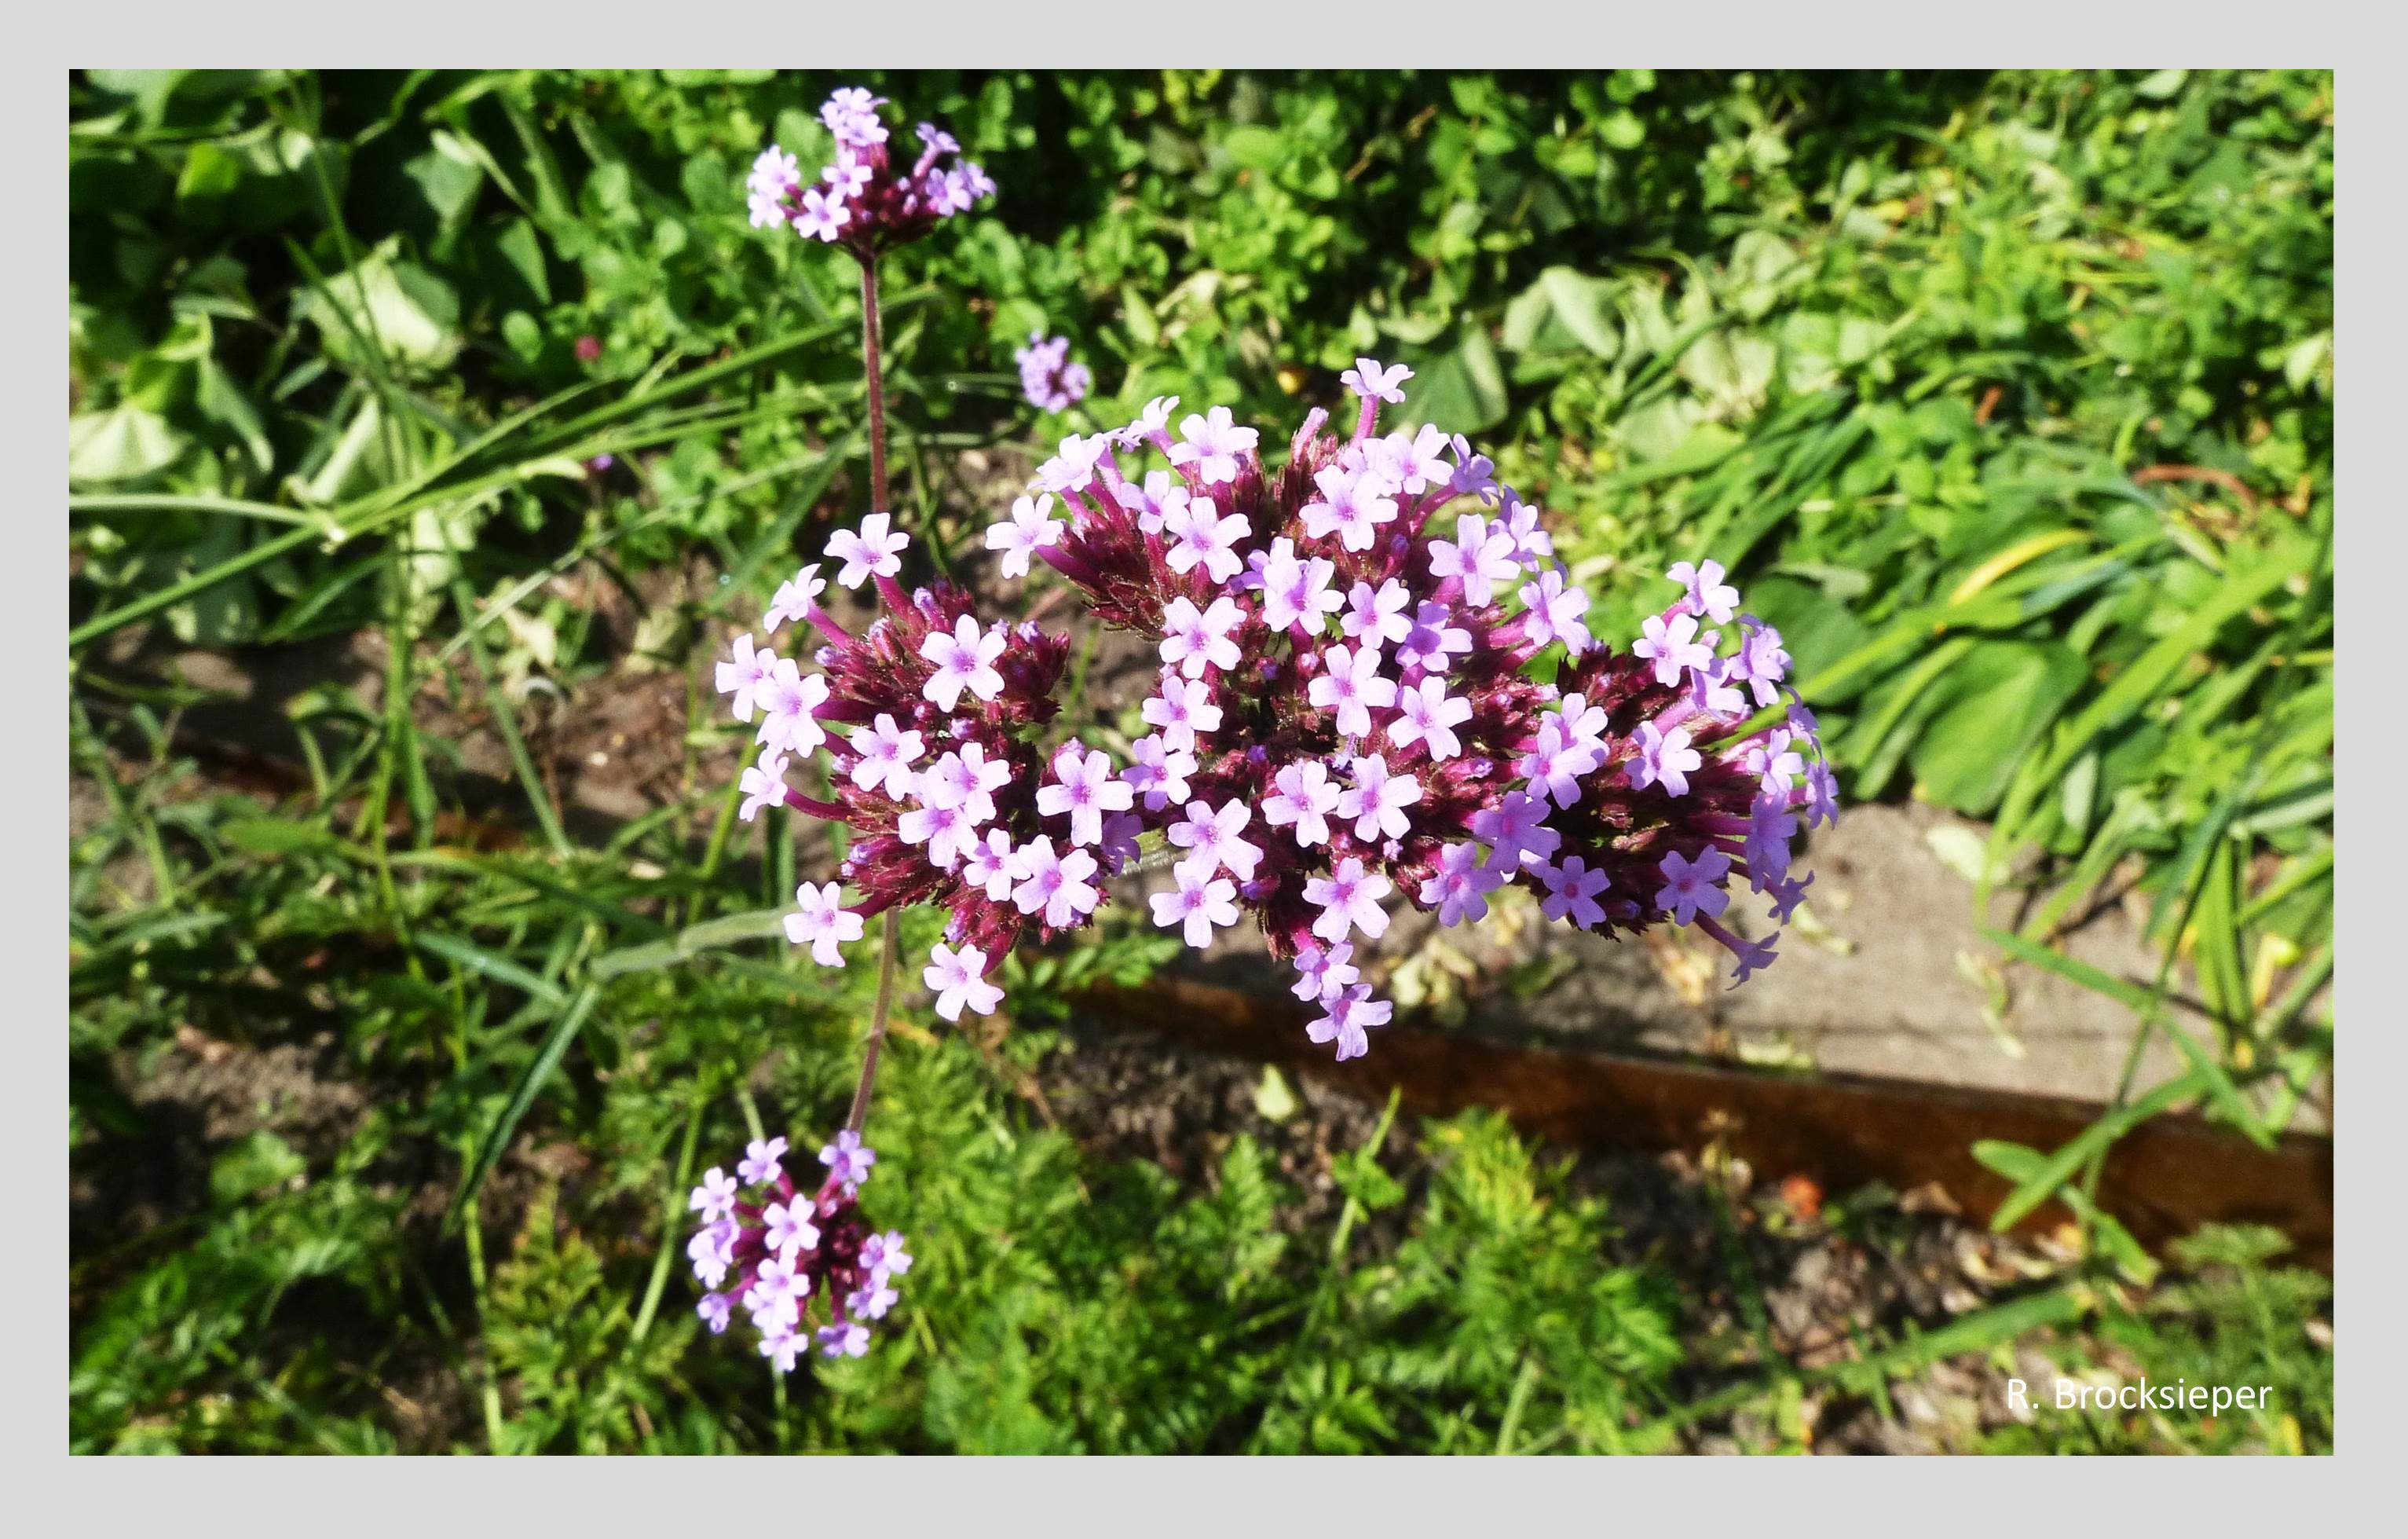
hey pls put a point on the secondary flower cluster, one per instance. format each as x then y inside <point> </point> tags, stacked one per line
<point>1347,709</point>
<point>784,1255</point>
<point>937,775</point>
<point>1047,376</point>
<point>871,198</point>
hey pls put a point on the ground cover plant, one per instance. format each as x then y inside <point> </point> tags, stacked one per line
<point>2007,398</point>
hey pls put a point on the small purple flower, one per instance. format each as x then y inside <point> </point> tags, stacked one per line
<point>790,702</point>
<point>1572,890</point>
<point>1761,665</point>
<point>848,1160</point>
<point>1426,714</point>
<point>844,1339</point>
<point>1769,830</point>
<point>820,216</point>
<point>1196,640</point>
<point>1432,640</point>
<point>794,597</point>
<point>790,1229</point>
<point>1322,972</point>
<point>1210,445</point>
<point>1160,773</point>
<point>1753,957</point>
<point>1350,686</point>
<point>781,1345</point>
<point>1554,612</point>
<point>763,783</point>
<point>1346,1016</point>
<point>869,1302</point>
<point>1368,380</point>
<point>1305,795</point>
<point>1480,557</point>
<point>1690,886</point>
<point>760,1162</point>
<point>1376,616</point>
<point>1461,885</point>
<point>1199,904</point>
<point>1060,887</point>
<point>1822,795</point>
<point>964,659</point>
<point>884,1255</point>
<point>1210,838</point>
<point>1707,594</point>
<point>1673,645</point>
<point>1664,759</point>
<point>1776,762</point>
<point>1182,710</point>
<point>958,979</point>
<point>1296,592</point>
<point>1516,829</point>
<point>868,552</point>
<point>1028,530</point>
<point>744,677</point>
<point>1377,800</point>
<point>1048,379</point>
<point>715,1198</point>
<point>1084,791</point>
<point>1202,535</point>
<point>887,754</point>
<point>1349,898</point>
<point>1354,504</point>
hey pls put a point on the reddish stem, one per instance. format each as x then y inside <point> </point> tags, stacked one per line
<point>873,367</point>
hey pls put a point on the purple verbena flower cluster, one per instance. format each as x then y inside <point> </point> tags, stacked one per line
<point>1047,376</point>
<point>1345,709</point>
<point>934,765</point>
<point>1345,712</point>
<point>871,198</point>
<point>783,1254</point>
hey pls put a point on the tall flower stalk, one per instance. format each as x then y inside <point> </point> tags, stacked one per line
<point>785,1251</point>
<point>873,370</point>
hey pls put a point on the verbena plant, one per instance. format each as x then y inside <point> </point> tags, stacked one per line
<point>1417,750</point>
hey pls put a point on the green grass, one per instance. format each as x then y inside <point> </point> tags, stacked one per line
<point>2007,398</point>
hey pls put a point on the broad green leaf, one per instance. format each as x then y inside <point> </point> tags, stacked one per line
<point>2002,695</point>
<point>123,443</point>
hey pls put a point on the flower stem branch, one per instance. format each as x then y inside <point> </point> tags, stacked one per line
<point>873,367</point>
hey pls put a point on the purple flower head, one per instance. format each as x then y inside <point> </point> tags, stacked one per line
<point>791,1253</point>
<point>1300,779</point>
<point>870,199</point>
<point>1048,379</point>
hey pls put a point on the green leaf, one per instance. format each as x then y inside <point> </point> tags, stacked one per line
<point>279,836</point>
<point>1564,309</point>
<point>398,306</point>
<point>1462,390</point>
<point>2023,1165</point>
<point>555,1047</point>
<point>2003,695</point>
<point>254,1162</point>
<point>125,442</point>
<point>476,958</point>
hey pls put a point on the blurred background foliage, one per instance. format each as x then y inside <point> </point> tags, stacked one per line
<point>2008,396</point>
